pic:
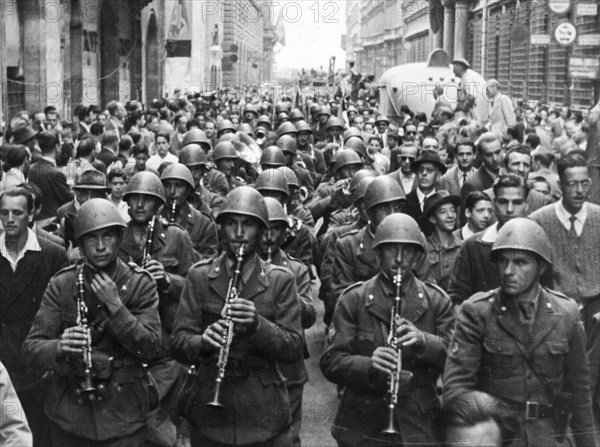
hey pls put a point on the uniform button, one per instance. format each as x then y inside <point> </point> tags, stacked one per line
<point>529,376</point>
<point>499,349</point>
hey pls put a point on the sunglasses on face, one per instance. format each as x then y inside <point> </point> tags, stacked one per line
<point>411,132</point>
<point>404,158</point>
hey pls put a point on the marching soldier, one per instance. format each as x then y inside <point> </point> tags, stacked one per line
<point>289,147</point>
<point>269,247</point>
<point>262,310</point>
<point>359,358</point>
<point>295,204</point>
<point>178,183</point>
<point>225,157</point>
<point>166,252</point>
<point>193,157</point>
<point>525,344</point>
<point>97,325</point>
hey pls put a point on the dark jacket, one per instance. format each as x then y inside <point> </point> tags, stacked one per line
<point>253,394</point>
<point>20,297</point>
<point>487,354</point>
<point>131,336</point>
<point>53,184</point>
<point>360,325</point>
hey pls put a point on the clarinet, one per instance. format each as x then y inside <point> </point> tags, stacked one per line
<point>87,390</point>
<point>232,293</point>
<point>394,379</point>
<point>173,212</point>
<point>147,254</point>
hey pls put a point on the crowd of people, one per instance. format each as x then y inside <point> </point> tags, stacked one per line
<point>158,264</point>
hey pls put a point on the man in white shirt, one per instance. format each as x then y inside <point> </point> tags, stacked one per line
<point>117,181</point>
<point>162,152</point>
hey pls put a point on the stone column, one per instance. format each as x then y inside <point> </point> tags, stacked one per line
<point>3,82</point>
<point>461,30</point>
<point>34,60</point>
<point>449,18</point>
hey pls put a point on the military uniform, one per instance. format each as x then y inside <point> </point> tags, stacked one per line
<point>488,352</point>
<point>300,243</point>
<point>256,406</point>
<point>216,182</point>
<point>360,325</point>
<point>200,226</point>
<point>130,337</point>
<point>441,258</point>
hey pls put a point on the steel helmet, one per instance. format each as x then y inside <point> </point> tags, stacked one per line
<point>192,155</point>
<point>272,180</point>
<point>250,108</point>
<point>360,189</point>
<point>357,145</point>
<point>324,110</point>
<point>146,183</point>
<point>296,114</point>
<point>358,177</point>
<point>290,176</point>
<point>399,228</point>
<point>224,149</point>
<point>523,234</point>
<point>303,126</point>
<point>96,214</point>
<point>345,157</point>
<point>282,117</point>
<point>286,128</point>
<point>225,125</point>
<point>352,132</point>
<point>264,121</point>
<point>314,108</point>
<point>335,122</point>
<point>287,143</point>
<point>276,211</point>
<point>177,171</point>
<point>246,201</point>
<point>281,107</point>
<point>196,136</point>
<point>246,128</point>
<point>272,156</point>
<point>383,189</point>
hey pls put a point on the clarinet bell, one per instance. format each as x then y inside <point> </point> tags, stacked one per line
<point>391,429</point>
<point>215,402</point>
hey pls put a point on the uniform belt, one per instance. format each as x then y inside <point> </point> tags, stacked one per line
<point>531,410</point>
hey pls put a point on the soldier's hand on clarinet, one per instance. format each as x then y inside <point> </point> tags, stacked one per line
<point>72,341</point>
<point>157,270</point>
<point>243,314</point>
<point>409,336</point>
<point>106,291</point>
<point>214,335</point>
<point>384,359</point>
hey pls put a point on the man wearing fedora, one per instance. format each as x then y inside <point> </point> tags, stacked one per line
<point>26,135</point>
<point>46,175</point>
<point>441,210</point>
<point>428,168</point>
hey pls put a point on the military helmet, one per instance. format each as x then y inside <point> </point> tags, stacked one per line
<point>178,171</point>
<point>262,120</point>
<point>246,201</point>
<point>352,132</point>
<point>359,191</point>
<point>250,108</point>
<point>383,189</point>
<point>145,183</point>
<point>287,143</point>
<point>399,228</point>
<point>276,211</point>
<point>282,118</point>
<point>345,157</point>
<point>324,110</point>
<point>246,128</point>
<point>286,128</point>
<point>296,114</point>
<point>358,177</point>
<point>196,136</point>
<point>272,156</point>
<point>282,107</point>
<point>272,180</point>
<point>523,234</point>
<point>303,126</point>
<point>225,125</point>
<point>290,176</point>
<point>96,214</point>
<point>192,155</point>
<point>334,121</point>
<point>224,149</point>
<point>314,108</point>
<point>357,145</point>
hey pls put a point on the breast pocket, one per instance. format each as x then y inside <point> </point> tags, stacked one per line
<point>499,358</point>
<point>557,351</point>
<point>365,343</point>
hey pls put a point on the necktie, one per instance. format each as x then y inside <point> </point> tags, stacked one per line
<point>572,231</point>
<point>464,178</point>
<point>526,309</point>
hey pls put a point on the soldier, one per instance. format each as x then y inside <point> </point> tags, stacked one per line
<point>225,157</point>
<point>288,146</point>
<point>358,357</point>
<point>97,325</point>
<point>310,155</point>
<point>193,157</point>
<point>525,344</point>
<point>272,158</point>
<point>295,204</point>
<point>166,252</point>
<point>269,247</point>
<point>265,315</point>
<point>354,258</point>
<point>178,183</point>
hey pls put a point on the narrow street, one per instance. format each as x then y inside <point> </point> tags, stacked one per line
<point>320,396</point>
